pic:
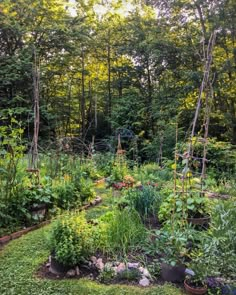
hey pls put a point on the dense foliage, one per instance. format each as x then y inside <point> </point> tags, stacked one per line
<point>136,98</point>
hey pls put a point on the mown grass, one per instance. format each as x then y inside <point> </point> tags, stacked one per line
<point>106,205</point>
<point>20,259</point>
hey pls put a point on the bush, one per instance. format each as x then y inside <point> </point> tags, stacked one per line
<point>219,246</point>
<point>67,196</point>
<point>71,239</point>
<point>104,163</point>
<point>221,156</point>
<point>152,172</point>
<point>85,188</point>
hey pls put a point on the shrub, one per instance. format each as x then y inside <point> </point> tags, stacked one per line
<point>67,196</point>
<point>18,210</point>
<point>104,163</point>
<point>119,170</point>
<point>219,246</point>
<point>85,188</point>
<point>71,239</point>
<point>154,173</point>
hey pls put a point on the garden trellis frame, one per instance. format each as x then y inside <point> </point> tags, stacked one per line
<point>33,152</point>
<point>126,134</point>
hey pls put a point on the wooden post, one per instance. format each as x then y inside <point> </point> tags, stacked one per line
<point>33,163</point>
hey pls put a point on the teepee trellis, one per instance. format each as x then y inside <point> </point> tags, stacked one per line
<point>207,90</point>
<point>189,182</point>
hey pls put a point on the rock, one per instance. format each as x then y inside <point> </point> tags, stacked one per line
<point>115,269</point>
<point>77,271</point>
<point>48,264</point>
<point>92,203</point>
<point>121,267</point>
<point>93,259</point>
<point>133,265</point>
<point>91,276</point>
<point>144,282</point>
<point>141,269</point>
<point>71,273</point>
<point>116,263</point>
<point>100,264</point>
<point>146,273</point>
<point>98,199</point>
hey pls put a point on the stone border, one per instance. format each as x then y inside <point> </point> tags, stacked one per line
<point>6,239</point>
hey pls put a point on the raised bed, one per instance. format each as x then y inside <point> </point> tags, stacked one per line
<point>5,239</point>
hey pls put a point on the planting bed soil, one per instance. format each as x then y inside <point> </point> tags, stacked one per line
<point>128,274</point>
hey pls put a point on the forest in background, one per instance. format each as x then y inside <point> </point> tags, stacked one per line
<point>105,65</point>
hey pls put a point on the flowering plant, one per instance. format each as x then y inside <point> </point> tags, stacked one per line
<point>119,185</point>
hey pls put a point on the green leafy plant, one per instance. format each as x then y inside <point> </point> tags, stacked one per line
<point>84,187</point>
<point>71,239</point>
<point>155,268</point>
<point>219,243</point>
<point>119,170</point>
<point>107,274</point>
<point>200,268</point>
<point>104,163</point>
<point>182,206</point>
<point>67,197</point>
<point>146,200</point>
<point>11,153</point>
<point>129,275</point>
<point>89,169</point>
<point>172,244</point>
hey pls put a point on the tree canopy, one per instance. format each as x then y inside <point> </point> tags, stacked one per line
<point>118,64</point>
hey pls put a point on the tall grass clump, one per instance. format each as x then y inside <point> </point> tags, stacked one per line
<point>124,232</point>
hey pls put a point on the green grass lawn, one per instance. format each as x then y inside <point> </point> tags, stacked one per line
<point>20,259</point>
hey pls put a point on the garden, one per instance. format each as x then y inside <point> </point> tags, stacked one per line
<point>117,147</point>
<point>115,224</point>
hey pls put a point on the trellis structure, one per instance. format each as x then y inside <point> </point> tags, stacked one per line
<point>33,152</point>
<point>206,90</point>
<point>188,157</point>
<point>126,134</point>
